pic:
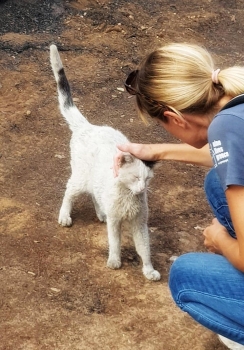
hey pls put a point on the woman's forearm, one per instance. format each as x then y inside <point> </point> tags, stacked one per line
<point>169,151</point>
<point>183,153</point>
<point>165,151</point>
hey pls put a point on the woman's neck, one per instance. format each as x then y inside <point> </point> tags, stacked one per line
<point>222,102</point>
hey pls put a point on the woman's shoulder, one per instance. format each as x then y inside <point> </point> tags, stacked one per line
<point>235,101</point>
<point>232,113</point>
<point>229,122</point>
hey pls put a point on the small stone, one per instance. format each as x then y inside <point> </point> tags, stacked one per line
<point>120,89</point>
<point>28,113</point>
<point>113,28</point>
<point>173,257</point>
<point>60,156</point>
<point>198,228</point>
<point>31,273</point>
<point>56,290</point>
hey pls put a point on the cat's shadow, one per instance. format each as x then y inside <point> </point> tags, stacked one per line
<point>84,211</point>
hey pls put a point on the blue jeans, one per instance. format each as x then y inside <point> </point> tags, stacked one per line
<point>206,285</point>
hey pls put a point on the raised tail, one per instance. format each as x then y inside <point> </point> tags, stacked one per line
<point>66,104</point>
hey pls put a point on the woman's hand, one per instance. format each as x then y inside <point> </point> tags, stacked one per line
<point>141,151</point>
<point>214,235</point>
<point>218,240</point>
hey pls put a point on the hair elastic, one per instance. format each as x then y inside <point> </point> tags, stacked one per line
<point>215,76</point>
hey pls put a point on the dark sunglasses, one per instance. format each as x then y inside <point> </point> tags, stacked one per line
<point>130,82</point>
<point>129,86</point>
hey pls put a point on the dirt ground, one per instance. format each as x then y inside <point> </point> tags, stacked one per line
<point>55,289</point>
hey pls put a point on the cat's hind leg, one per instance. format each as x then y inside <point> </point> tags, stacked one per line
<point>73,189</point>
<point>114,241</point>
<point>142,244</point>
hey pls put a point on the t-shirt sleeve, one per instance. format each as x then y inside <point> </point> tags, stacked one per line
<point>226,142</point>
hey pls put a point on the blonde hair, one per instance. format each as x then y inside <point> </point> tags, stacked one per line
<point>179,76</point>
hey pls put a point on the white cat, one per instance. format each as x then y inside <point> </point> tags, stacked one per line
<point>116,200</point>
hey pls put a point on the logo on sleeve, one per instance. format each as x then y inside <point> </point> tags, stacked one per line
<point>218,154</point>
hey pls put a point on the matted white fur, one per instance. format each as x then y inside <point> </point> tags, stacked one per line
<point>116,200</point>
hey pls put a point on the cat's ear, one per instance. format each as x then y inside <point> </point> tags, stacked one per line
<point>152,164</point>
<point>126,158</point>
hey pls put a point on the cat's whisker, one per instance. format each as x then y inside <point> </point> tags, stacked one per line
<point>149,189</point>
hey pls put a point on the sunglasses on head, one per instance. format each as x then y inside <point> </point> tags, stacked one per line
<point>129,86</point>
<point>130,82</point>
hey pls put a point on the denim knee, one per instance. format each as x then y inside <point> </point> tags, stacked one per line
<point>177,281</point>
<point>177,270</point>
<point>210,290</point>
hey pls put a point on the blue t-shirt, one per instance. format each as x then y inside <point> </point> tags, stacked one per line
<point>226,142</point>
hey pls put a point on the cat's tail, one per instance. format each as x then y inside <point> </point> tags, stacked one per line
<point>68,109</point>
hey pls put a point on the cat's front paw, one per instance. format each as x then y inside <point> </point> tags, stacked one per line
<point>152,275</point>
<point>64,220</point>
<point>114,263</point>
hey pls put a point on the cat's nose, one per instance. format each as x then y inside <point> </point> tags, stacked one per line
<point>141,188</point>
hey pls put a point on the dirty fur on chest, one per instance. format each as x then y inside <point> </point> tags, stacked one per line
<point>128,206</point>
